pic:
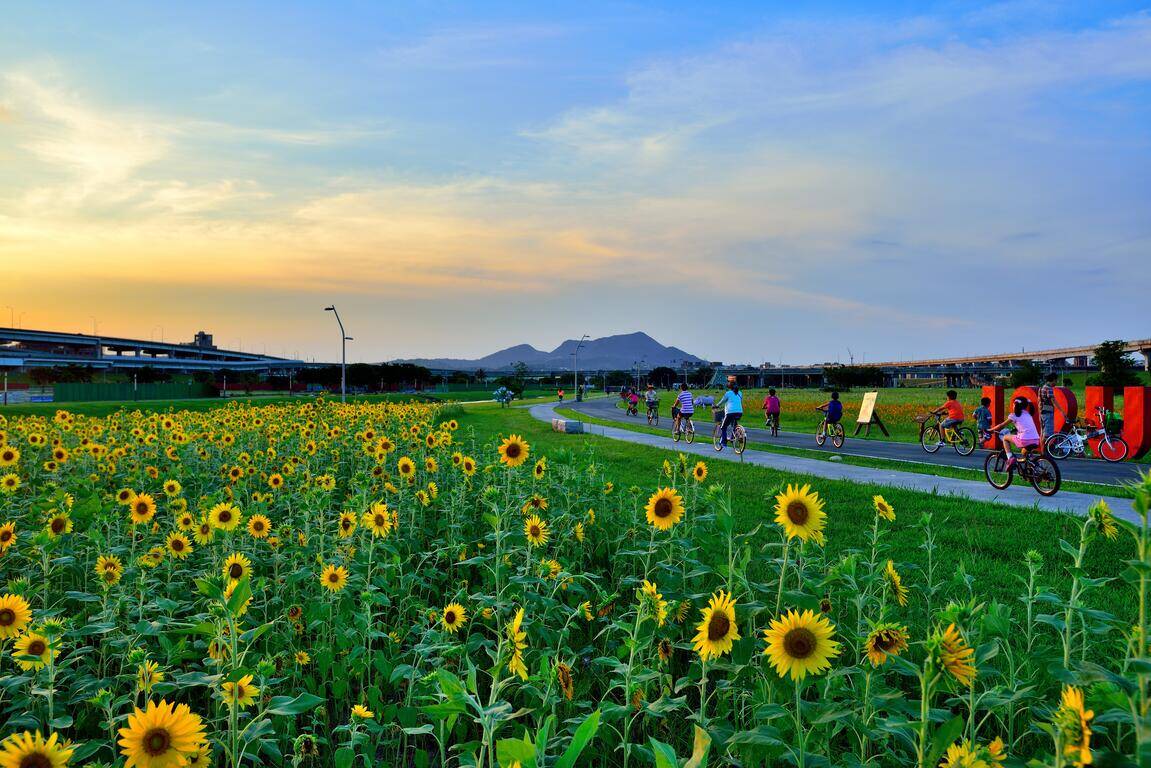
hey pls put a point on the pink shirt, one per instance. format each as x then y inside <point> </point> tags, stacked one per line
<point>1025,426</point>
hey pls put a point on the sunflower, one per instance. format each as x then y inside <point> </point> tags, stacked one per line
<point>162,735</point>
<point>14,615</point>
<point>240,693</point>
<point>237,566</point>
<point>1104,519</point>
<point>883,509</point>
<point>717,629</point>
<point>7,536</point>
<point>147,675</point>
<point>172,488</point>
<point>10,482</point>
<point>468,466</point>
<point>578,532</point>
<point>362,712</point>
<point>699,472</point>
<point>536,503</point>
<point>124,496</point>
<point>31,750</point>
<point>895,581</point>
<point>142,508</point>
<point>32,651</point>
<point>9,455</point>
<point>185,521</point>
<point>59,524</point>
<point>276,480</point>
<point>1074,723</point>
<point>109,569</point>
<point>455,616</point>
<point>665,649</point>
<point>204,532</point>
<point>883,641</point>
<point>377,520</point>
<point>229,591</point>
<point>225,516</point>
<point>259,526</point>
<point>950,652</point>
<point>800,513</point>
<point>536,530</point>
<point>514,451</point>
<point>963,754</point>
<point>302,658</point>
<point>406,467</point>
<point>653,602</point>
<point>347,524</point>
<point>519,640</point>
<point>539,470</point>
<point>585,607</point>
<point>800,644</point>
<point>664,508</point>
<point>178,545</point>
<point>201,758</point>
<point>564,678</point>
<point>334,578</point>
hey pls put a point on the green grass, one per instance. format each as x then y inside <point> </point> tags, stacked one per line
<point>984,541</point>
<point>934,470</point>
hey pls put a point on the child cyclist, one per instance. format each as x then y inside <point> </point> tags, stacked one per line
<point>732,403</point>
<point>683,408</point>
<point>954,410</point>
<point>1026,434</point>
<point>982,416</point>
<point>771,412</point>
<point>833,409</point>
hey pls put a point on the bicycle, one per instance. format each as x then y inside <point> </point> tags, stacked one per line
<point>935,436</point>
<point>685,430</point>
<point>1112,448</point>
<point>824,430</point>
<point>632,409</point>
<point>653,414</point>
<point>1040,471</point>
<point>771,423</point>
<point>738,437</point>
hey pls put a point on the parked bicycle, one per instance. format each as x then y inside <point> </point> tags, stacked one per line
<point>934,436</point>
<point>1111,447</point>
<point>685,430</point>
<point>1032,466</point>
<point>825,430</point>
<point>738,437</point>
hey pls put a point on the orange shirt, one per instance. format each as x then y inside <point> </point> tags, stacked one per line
<point>954,409</point>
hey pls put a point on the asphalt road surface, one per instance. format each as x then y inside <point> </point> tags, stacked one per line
<point>1083,470</point>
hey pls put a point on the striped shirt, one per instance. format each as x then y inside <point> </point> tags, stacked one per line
<point>686,403</point>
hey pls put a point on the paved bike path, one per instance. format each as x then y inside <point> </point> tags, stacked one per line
<point>1083,470</point>
<point>1018,495</point>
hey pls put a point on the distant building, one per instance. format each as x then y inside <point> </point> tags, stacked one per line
<point>203,340</point>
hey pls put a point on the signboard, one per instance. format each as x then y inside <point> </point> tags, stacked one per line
<point>867,407</point>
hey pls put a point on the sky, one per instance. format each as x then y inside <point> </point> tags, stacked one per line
<point>747,181</point>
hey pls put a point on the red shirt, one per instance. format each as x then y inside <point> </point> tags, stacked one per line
<point>954,409</point>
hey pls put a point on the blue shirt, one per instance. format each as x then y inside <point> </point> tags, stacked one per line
<point>834,411</point>
<point>733,402</point>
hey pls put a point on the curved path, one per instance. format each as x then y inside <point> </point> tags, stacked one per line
<point>1083,470</point>
<point>1017,495</point>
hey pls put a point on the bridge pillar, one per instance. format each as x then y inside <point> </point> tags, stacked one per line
<point>1146,359</point>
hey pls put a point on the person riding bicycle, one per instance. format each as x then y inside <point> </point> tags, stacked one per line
<point>1026,434</point>
<point>684,407</point>
<point>651,398</point>
<point>954,410</point>
<point>632,402</point>
<point>771,412</point>
<point>833,409</point>
<point>982,416</point>
<point>732,404</point>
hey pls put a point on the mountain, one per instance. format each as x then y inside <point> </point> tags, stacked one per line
<point>609,353</point>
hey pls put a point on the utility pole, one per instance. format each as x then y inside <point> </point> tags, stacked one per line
<point>575,368</point>
<point>343,354</point>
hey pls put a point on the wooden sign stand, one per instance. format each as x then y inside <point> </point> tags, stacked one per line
<point>868,416</point>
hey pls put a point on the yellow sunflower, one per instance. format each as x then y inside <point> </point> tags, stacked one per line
<point>514,450</point>
<point>347,524</point>
<point>7,536</point>
<point>59,524</point>
<point>535,503</point>
<point>147,675</point>
<point>541,468</point>
<point>883,641</point>
<point>1104,519</point>
<point>237,566</point>
<point>536,531</point>
<point>377,520</point>
<point>454,617</point>
<point>1073,720</point>
<point>883,509</point>
<point>204,532</point>
<point>109,569</point>
<point>895,581</point>
<point>362,712</point>
<point>14,615</point>
<point>302,658</point>
<point>240,693</point>
<point>178,545</point>
<point>32,750</point>
<point>406,467</point>
<point>162,735</point>
<point>10,483</point>
<point>225,516</point>
<point>468,466</point>
<point>259,526</point>
<point>664,509</point>
<point>699,472</point>
<point>172,488</point>
<point>9,455</point>
<point>717,629</point>
<point>564,678</point>
<point>653,602</point>
<point>33,650</point>
<point>334,578</point>
<point>201,758</point>
<point>800,513</point>
<point>519,639</point>
<point>951,653</point>
<point>799,644</point>
<point>142,508</point>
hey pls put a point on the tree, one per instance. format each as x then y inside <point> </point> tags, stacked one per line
<point>845,377</point>
<point>520,373</point>
<point>1115,366</point>
<point>149,375</point>
<point>481,375</point>
<point>662,376</point>
<point>1027,374</point>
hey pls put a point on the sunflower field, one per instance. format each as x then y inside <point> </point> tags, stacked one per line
<point>374,585</point>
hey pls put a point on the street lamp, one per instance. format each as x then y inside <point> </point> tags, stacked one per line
<point>575,367</point>
<point>344,339</point>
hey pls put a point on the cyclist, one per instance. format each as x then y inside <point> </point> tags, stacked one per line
<point>732,403</point>
<point>651,399</point>
<point>560,393</point>
<point>982,416</point>
<point>684,407</point>
<point>1026,435</point>
<point>954,410</point>
<point>771,412</point>
<point>832,409</point>
<point>632,403</point>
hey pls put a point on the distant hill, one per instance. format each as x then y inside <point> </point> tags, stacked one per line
<point>609,353</point>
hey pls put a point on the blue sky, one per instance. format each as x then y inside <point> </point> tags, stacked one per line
<point>746,182</point>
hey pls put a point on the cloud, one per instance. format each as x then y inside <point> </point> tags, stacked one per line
<point>467,48</point>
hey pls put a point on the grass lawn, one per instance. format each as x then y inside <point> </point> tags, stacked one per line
<point>978,544</point>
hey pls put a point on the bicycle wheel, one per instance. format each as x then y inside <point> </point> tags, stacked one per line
<point>676,433</point>
<point>717,438</point>
<point>1113,449</point>
<point>1045,476</point>
<point>965,441</point>
<point>821,434</point>
<point>995,469</point>
<point>930,439</point>
<point>837,436</point>
<point>690,432</point>
<point>1058,446</point>
<point>739,442</point>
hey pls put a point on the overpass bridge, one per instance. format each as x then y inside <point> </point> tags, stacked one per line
<point>24,348</point>
<point>1074,357</point>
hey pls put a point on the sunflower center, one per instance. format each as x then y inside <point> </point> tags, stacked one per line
<point>5,536</point>
<point>177,544</point>
<point>259,526</point>
<point>157,741</point>
<point>884,641</point>
<point>718,626</point>
<point>450,617</point>
<point>58,525</point>
<point>235,570</point>
<point>797,512</point>
<point>379,521</point>
<point>7,617</point>
<point>799,643</point>
<point>141,508</point>
<point>663,507</point>
<point>35,760</point>
<point>37,648</point>
<point>333,577</point>
<point>513,451</point>
<point>225,516</point>
<point>535,531</point>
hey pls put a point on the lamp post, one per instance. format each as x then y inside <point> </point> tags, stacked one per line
<point>344,338</point>
<point>575,368</point>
